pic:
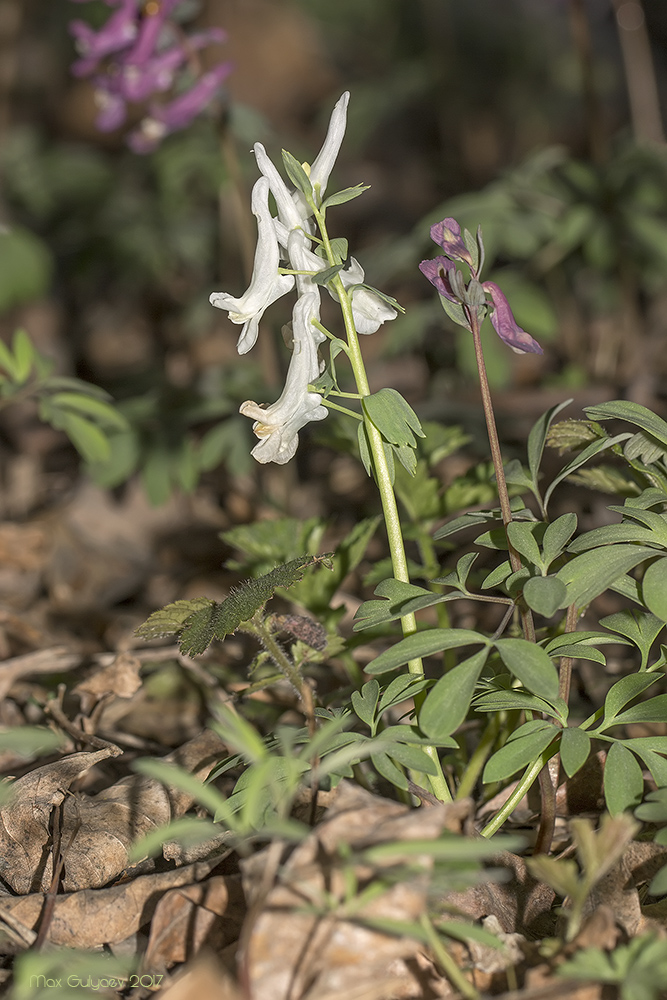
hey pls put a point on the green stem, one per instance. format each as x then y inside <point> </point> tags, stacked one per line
<point>479,757</point>
<point>383,479</point>
<point>341,409</point>
<point>259,629</point>
<point>529,776</point>
<point>446,962</point>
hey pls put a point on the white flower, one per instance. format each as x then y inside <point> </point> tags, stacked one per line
<point>266,285</point>
<point>277,426</point>
<point>369,309</point>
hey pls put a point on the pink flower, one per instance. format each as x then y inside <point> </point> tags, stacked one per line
<point>506,326</point>
<point>447,234</point>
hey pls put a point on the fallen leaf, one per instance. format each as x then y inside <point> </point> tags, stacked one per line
<point>25,860</point>
<point>209,913</point>
<point>325,948</point>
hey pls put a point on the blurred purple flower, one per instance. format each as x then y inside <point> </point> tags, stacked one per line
<point>120,31</point>
<point>506,326</point>
<point>179,113</point>
<point>144,53</point>
<point>447,234</point>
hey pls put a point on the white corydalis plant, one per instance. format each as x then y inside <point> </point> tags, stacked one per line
<point>290,234</point>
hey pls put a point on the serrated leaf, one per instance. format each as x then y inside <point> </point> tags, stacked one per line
<point>213,619</point>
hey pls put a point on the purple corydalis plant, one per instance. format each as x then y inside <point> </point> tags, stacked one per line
<point>464,296</point>
<point>141,52</point>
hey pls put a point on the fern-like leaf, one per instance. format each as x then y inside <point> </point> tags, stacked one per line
<point>199,621</point>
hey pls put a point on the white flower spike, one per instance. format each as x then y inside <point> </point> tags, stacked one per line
<point>266,285</point>
<point>277,426</point>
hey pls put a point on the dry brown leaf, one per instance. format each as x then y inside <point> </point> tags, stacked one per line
<point>105,826</point>
<point>203,980</point>
<point>94,917</point>
<point>209,913</point>
<point>117,674</point>
<point>312,955</point>
<point>25,859</point>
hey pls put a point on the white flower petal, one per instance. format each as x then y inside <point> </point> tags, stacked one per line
<point>266,285</point>
<point>288,213</point>
<point>324,161</point>
<point>278,425</point>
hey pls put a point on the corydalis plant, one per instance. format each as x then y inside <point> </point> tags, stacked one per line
<point>462,300</point>
<point>140,52</point>
<point>313,261</point>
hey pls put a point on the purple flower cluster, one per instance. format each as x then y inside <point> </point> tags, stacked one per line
<point>445,276</point>
<point>141,52</point>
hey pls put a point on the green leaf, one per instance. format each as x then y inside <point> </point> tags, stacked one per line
<point>207,619</point>
<point>640,627</point>
<point>556,537</point>
<point>412,757</point>
<point>624,691</point>
<point>427,643</point>
<point>544,594</point>
<point>634,413</point>
<point>537,439</point>
<point>506,701</point>
<point>575,747</point>
<point>89,406</point>
<point>400,599</point>
<point>654,589</point>
<point>402,688</point>
<point>324,276</point>
<point>522,536</point>
<point>518,753</point>
<point>89,440</point>
<point>27,267</point>
<point>297,174</point>
<point>364,702</point>
<point>385,766</point>
<point>591,573</point>
<point>465,521</point>
<point>393,417</point>
<point>613,534</point>
<point>446,705</point>
<point>652,710</point>
<point>530,665</point>
<point>347,194</point>
<point>602,444</point>
<point>623,780</point>
<point>25,356</point>
<point>29,741</point>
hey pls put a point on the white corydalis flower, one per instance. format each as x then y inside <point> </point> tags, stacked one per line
<point>266,284</point>
<point>277,426</point>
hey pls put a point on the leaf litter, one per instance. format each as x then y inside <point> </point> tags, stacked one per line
<point>322,918</point>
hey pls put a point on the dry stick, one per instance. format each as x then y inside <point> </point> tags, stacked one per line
<point>549,773</point>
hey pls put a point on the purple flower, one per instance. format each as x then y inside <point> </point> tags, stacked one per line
<point>506,326</point>
<point>120,31</point>
<point>179,113</point>
<point>144,53</point>
<point>447,234</point>
<point>437,272</point>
